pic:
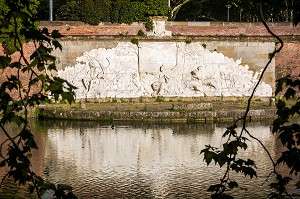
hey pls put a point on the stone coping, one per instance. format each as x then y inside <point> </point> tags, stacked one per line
<point>166,116</point>
<point>180,38</point>
<point>170,23</point>
<point>157,112</point>
<point>174,28</point>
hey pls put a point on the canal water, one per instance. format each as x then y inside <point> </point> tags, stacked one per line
<point>140,160</point>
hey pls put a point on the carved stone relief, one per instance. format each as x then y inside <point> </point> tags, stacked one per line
<point>160,69</point>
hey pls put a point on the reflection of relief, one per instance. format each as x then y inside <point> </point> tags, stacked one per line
<point>126,149</point>
<point>162,69</point>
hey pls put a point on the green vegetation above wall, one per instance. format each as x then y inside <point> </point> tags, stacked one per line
<point>116,11</point>
<point>128,11</point>
<point>8,29</point>
<point>240,10</point>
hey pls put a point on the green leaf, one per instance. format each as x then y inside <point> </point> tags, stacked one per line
<point>216,188</point>
<point>26,134</point>
<point>31,188</point>
<point>249,171</point>
<point>45,31</point>
<point>221,195</point>
<point>68,96</point>
<point>230,131</point>
<point>235,167</point>
<point>4,61</point>
<point>295,109</point>
<point>222,159</point>
<point>56,44</point>
<point>18,120</point>
<point>52,67</point>
<point>42,77</point>
<point>31,143</point>
<point>55,34</point>
<point>233,184</point>
<point>64,187</point>
<point>280,104</point>
<point>48,186</point>
<point>209,156</point>
<point>290,93</point>
<point>2,163</point>
<point>41,66</point>
<point>243,145</point>
<point>70,195</point>
<point>279,86</point>
<point>250,162</point>
<point>297,185</point>
<point>43,50</point>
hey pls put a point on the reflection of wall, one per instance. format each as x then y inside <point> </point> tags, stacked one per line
<point>127,146</point>
<point>38,156</point>
<point>167,69</point>
<point>104,148</point>
<point>106,159</point>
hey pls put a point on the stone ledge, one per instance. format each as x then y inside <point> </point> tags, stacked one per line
<point>161,116</point>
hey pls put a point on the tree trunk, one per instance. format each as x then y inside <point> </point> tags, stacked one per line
<point>177,8</point>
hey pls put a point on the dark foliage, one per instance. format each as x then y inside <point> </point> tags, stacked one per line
<point>19,24</point>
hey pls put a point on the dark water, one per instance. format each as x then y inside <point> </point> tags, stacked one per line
<point>140,160</point>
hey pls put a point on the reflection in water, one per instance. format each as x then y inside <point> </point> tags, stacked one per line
<point>142,161</point>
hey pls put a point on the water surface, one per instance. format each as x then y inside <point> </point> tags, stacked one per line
<point>142,160</point>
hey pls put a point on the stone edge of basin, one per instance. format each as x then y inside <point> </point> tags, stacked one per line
<point>164,116</point>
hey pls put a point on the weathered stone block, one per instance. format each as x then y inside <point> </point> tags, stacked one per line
<point>193,106</point>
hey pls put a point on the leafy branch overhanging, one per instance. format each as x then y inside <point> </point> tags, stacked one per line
<point>288,135</point>
<point>29,82</point>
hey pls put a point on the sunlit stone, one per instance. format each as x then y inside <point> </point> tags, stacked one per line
<point>166,69</point>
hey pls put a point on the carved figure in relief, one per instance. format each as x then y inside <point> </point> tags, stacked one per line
<point>204,84</point>
<point>97,86</point>
<point>196,74</point>
<point>156,88</point>
<point>195,83</point>
<point>193,71</point>
<point>90,82</point>
<point>135,84</point>
<point>163,80</point>
<point>175,81</point>
<point>146,80</point>
<point>160,87</point>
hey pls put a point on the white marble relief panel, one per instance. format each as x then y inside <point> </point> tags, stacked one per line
<point>160,69</point>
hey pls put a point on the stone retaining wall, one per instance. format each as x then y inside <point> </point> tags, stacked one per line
<point>246,41</point>
<point>231,39</point>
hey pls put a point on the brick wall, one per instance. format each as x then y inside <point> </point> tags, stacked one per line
<point>28,49</point>
<point>73,28</point>
<point>177,28</point>
<point>230,29</point>
<point>288,61</point>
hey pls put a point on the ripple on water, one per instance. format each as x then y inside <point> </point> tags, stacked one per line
<point>142,162</point>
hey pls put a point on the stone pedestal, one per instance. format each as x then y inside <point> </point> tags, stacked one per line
<point>159,29</point>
